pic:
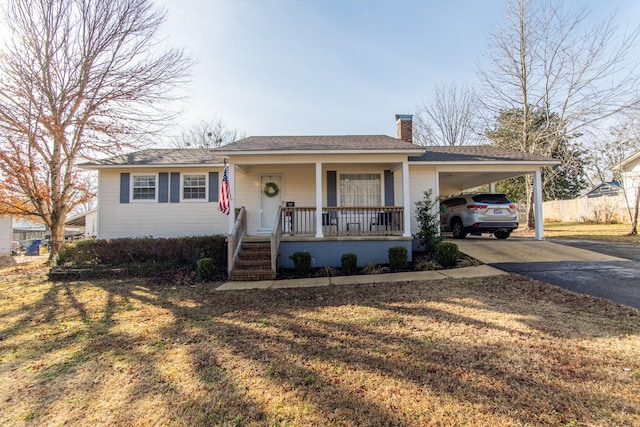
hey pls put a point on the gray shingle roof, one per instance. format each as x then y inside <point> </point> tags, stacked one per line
<point>161,156</point>
<point>320,142</point>
<point>196,156</point>
<point>475,153</point>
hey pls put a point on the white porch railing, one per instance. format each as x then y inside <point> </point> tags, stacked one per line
<point>234,241</point>
<point>344,221</point>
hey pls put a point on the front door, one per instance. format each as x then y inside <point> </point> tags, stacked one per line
<point>270,200</point>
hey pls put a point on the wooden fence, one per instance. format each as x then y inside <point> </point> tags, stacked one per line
<point>604,209</point>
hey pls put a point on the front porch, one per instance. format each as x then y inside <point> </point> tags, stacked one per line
<point>325,203</point>
<point>326,234</point>
<point>368,232</point>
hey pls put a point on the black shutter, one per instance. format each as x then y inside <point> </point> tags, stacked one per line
<point>388,189</point>
<point>124,187</point>
<point>175,187</point>
<point>213,186</point>
<point>163,187</point>
<point>332,191</point>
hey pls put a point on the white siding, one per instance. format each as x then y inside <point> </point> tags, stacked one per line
<point>397,187</point>
<point>631,179</point>
<point>298,186</point>
<point>5,235</point>
<point>91,223</point>
<point>141,219</point>
<point>421,179</point>
<point>299,183</point>
<point>149,218</point>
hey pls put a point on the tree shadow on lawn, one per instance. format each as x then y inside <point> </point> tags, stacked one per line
<point>416,353</point>
<point>97,375</point>
<point>496,377</point>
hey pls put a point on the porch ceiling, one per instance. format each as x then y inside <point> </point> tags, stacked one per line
<point>457,182</point>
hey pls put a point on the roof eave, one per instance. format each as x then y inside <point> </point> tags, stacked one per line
<point>626,161</point>
<point>486,162</point>
<point>315,152</point>
<point>149,166</point>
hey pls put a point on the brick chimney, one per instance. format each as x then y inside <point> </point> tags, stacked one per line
<point>405,127</point>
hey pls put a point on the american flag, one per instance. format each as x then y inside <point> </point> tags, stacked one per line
<point>224,205</point>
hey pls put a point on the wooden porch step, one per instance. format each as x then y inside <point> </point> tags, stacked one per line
<point>251,275</point>
<point>259,247</point>
<point>253,253</point>
<point>254,261</point>
<point>256,243</point>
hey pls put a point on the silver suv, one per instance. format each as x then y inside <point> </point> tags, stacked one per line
<point>478,213</point>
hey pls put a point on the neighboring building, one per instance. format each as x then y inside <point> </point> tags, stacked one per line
<point>630,168</point>
<point>25,230</point>
<point>609,189</point>
<point>84,224</point>
<point>328,195</point>
<point>5,235</point>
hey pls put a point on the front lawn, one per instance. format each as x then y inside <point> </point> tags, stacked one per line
<point>497,351</point>
<point>579,230</point>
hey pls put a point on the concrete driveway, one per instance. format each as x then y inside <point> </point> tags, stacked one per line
<point>586,267</point>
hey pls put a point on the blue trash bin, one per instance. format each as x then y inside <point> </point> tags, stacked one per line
<point>34,247</point>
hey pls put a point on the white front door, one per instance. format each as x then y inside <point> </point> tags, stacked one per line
<point>270,200</point>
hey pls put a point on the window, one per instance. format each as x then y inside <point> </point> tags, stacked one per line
<point>144,187</point>
<point>492,199</point>
<point>360,189</point>
<point>452,203</point>
<point>194,187</point>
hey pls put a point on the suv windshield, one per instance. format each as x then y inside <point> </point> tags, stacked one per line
<point>491,199</point>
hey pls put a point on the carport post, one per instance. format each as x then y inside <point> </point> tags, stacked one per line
<point>537,204</point>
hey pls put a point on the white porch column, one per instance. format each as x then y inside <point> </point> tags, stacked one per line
<point>492,187</point>
<point>319,200</point>
<point>232,195</point>
<point>406,202</point>
<point>537,204</point>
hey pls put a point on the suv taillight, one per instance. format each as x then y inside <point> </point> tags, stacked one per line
<point>512,206</point>
<point>477,206</point>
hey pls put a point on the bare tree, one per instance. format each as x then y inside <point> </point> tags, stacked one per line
<point>544,58</point>
<point>626,145</point>
<point>634,215</point>
<point>606,151</point>
<point>606,154</point>
<point>449,119</point>
<point>206,134</point>
<point>77,78</point>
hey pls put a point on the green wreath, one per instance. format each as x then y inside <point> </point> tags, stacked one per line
<point>271,189</point>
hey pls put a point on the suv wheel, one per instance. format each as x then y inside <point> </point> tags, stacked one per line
<point>502,234</point>
<point>457,229</point>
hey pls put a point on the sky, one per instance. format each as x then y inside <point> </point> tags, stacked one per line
<point>329,67</point>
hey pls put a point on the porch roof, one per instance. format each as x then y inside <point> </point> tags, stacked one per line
<point>320,143</point>
<point>478,153</point>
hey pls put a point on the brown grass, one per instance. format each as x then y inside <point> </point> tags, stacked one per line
<point>498,351</point>
<point>608,232</point>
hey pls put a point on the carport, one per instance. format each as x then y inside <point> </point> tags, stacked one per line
<point>463,167</point>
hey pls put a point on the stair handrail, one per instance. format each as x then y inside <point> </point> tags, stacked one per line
<point>276,235</point>
<point>234,241</point>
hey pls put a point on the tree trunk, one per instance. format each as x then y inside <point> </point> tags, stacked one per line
<point>57,237</point>
<point>634,219</point>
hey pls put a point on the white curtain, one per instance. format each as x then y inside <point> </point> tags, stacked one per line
<point>360,189</point>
